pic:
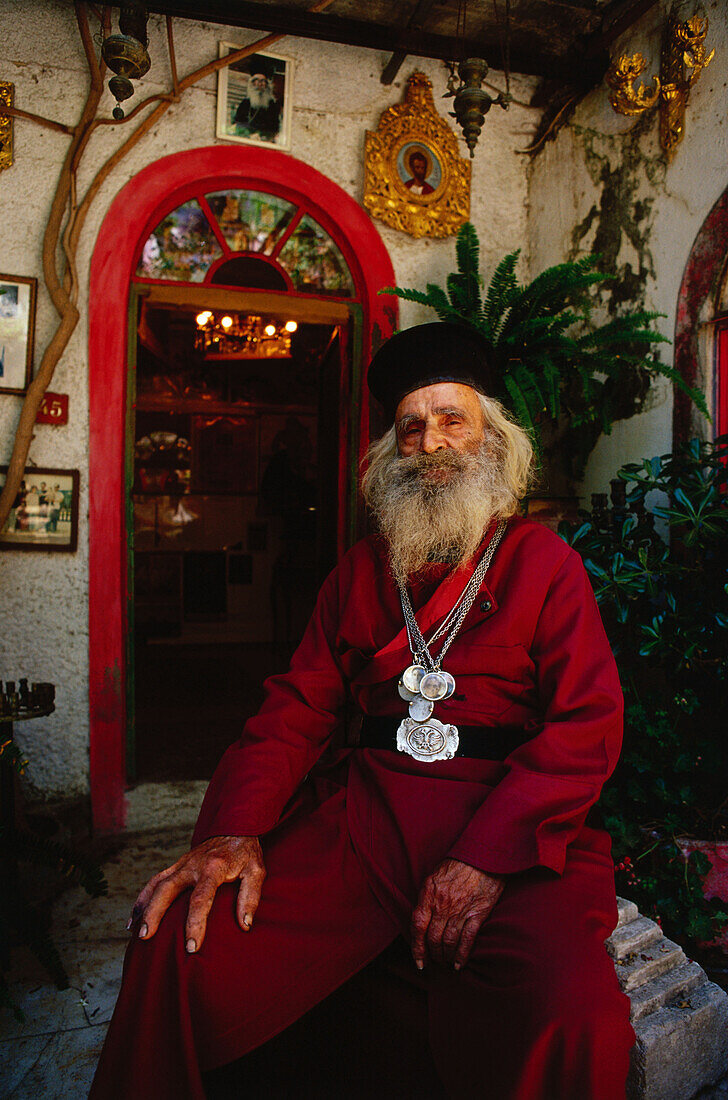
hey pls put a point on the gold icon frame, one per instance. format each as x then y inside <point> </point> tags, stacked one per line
<point>404,130</point>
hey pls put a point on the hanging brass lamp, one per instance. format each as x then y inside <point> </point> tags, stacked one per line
<point>126,53</point>
<point>471,101</point>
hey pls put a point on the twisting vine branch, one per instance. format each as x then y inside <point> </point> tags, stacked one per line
<point>172,56</point>
<point>28,116</point>
<point>67,215</point>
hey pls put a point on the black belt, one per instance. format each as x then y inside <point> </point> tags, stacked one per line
<point>479,742</point>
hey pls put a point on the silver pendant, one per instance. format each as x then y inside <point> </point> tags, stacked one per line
<point>427,741</point>
<point>434,685</point>
<point>411,677</point>
<point>450,681</point>
<point>420,709</point>
<point>405,693</point>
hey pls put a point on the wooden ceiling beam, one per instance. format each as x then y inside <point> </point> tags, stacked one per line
<point>416,21</point>
<point>354,32</point>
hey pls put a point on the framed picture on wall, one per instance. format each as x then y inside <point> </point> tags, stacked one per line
<point>17,324</point>
<point>44,515</point>
<point>254,99</point>
<point>415,179</point>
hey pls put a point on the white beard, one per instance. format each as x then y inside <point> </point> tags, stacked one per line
<point>260,97</point>
<point>437,507</point>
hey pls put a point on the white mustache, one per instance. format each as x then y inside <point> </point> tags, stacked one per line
<point>427,520</point>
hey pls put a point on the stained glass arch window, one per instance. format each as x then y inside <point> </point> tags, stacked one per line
<point>199,241</point>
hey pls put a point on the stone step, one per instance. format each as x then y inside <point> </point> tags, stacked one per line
<point>682,1047</point>
<point>627,911</point>
<point>639,967</point>
<point>635,936</point>
<point>666,988</point>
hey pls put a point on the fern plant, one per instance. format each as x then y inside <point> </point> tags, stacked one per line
<point>566,378</point>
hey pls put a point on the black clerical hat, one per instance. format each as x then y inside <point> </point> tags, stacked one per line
<point>425,354</point>
<point>259,63</point>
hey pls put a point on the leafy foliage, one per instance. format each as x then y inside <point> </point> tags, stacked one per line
<point>658,562</point>
<point>557,365</point>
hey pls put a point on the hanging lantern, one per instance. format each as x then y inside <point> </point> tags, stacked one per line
<point>126,54</point>
<point>471,102</point>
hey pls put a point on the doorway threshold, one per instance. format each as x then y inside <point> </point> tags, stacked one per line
<point>166,806</point>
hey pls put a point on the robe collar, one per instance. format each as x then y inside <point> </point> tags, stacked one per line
<point>394,657</point>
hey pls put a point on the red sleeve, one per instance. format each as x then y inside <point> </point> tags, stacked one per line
<point>539,806</point>
<point>258,774</point>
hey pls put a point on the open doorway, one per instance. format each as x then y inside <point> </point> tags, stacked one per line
<point>234,471</point>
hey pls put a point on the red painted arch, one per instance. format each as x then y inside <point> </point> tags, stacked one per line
<point>137,208</point>
<point>705,264</point>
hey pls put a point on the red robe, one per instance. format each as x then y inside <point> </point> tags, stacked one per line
<point>358,842</point>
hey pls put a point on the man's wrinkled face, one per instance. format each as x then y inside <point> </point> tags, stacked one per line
<point>259,82</point>
<point>438,420</point>
<point>436,494</point>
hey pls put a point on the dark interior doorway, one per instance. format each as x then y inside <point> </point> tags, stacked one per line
<point>235,496</point>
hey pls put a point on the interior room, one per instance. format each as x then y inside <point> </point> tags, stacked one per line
<point>234,520</point>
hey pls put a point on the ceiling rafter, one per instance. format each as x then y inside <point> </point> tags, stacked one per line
<point>416,21</point>
<point>586,66</point>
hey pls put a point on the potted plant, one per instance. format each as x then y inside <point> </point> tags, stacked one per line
<point>657,560</point>
<point>565,376</point>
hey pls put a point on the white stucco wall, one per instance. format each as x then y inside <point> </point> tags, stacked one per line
<point>337,97</point>
<point>675,198</point>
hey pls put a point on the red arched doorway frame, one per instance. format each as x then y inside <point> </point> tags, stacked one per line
<point>148,196</point>
<point>705,263</point>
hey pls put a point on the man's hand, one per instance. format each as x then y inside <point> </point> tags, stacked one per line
<point>215,861</point>
<point>454,902</point>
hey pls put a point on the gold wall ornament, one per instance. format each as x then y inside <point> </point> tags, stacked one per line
<point>624,97</point>
<point>691,37</point>
<point>7,95</point>
<point>415,179</point>
<point>683,59</point>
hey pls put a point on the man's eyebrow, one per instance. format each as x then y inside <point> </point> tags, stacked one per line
<point>443,410</point>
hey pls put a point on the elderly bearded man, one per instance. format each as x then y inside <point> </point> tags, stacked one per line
<point>259,112</point>
<point>459,825</point>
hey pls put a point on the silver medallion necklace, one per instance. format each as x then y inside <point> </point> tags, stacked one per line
<point>424,682</point>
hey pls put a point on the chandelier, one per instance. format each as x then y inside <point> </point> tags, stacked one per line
<point>242,336</point>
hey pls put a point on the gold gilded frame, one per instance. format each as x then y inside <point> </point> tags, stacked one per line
<point>404,130</point>
<point>7,91</point>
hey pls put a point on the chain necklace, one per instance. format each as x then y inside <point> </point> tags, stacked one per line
<point>424,683</point>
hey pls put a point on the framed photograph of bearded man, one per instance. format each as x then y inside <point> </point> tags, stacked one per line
<point>254,99</point>
<point>17,321</point>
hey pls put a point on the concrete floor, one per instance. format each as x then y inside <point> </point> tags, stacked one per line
<point>52,1055</point>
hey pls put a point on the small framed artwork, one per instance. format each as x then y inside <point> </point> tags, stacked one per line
<point>17,324</point>
<point>415,178</point>
<point>254,99</point>
<point>44,515</point>
<point>419,168</point>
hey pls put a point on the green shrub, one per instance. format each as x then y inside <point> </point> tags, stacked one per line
<point>658,562</point>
